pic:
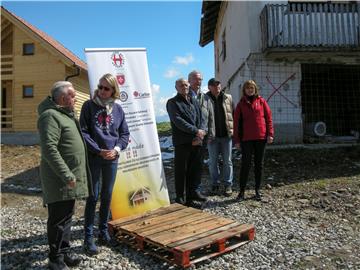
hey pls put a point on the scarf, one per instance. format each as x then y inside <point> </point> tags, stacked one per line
<point>107,103</point>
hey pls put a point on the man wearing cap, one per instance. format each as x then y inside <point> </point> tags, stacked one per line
<point>221,143</point>
<point>195,79</point>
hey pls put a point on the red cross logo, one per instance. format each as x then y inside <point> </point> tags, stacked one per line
<point>117,59</point>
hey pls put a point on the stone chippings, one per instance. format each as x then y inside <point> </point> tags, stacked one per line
<point>290,234</point>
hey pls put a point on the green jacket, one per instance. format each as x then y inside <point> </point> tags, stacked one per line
<point>63,154</point>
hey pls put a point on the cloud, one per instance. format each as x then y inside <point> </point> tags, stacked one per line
<point>184,60</point>
<point>159,102</point>
<point>171,73</point>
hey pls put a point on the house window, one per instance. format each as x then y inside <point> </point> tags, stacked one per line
<point>28,91</point>
<point>223,46</point>
<point>28,48</point>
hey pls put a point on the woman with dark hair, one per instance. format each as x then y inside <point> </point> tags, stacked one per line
<point>253,128</point>
<point>106,133</point>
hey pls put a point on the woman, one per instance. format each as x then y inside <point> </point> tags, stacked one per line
<point>106,133</point>
<point>253,128</point>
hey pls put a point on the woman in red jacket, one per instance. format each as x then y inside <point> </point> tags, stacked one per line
<point>253,128</point>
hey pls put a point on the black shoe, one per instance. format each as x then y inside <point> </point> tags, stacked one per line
<point>71,259</point>
<point>180,200</point>
<point>106,240</point>
<point>89,247</point>
<point>57,265</point>
<point>257,196</point>
<point>215,190</point>
<point>241,196</point>
<point>197,196</point>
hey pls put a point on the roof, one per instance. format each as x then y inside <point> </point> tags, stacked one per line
<point>43,36</point>
<point>209,16</point>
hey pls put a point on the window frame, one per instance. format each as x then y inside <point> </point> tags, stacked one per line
<point>25,46</point>
<point>25,87</point>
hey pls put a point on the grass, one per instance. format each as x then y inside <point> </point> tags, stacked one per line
<point>163,128</point>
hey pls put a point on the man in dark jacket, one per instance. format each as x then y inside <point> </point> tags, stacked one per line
<point>188,131</point>
<point>64,170</point>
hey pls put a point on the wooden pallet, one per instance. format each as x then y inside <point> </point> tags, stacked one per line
<point>181,235</point>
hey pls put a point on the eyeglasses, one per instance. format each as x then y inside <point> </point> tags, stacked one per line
<point>101,87</point>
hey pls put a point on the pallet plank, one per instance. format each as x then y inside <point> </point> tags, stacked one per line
<point>157,212</point>
<point>189,230</point>
<point>235,231</point>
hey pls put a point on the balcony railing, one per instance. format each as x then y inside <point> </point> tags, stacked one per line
<point>310,25</point>
<point>6,119</point>
<point>6,65</point>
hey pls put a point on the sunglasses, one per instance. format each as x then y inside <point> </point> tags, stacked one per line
<point>101,87</point>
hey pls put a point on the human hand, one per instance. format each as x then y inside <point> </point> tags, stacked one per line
<point>237,145</point>
<point>270,139</point>
<point>71,184</point>
<point>108,154</point>
<point>201,134</point>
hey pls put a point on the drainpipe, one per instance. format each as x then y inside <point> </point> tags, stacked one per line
<point>73,75</point>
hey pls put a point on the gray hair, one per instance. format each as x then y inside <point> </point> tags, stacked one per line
<point>192,73</point>
<point>58,89</point>
<point>180,80</point>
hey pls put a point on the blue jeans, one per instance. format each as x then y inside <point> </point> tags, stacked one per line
<point>215,147</point>
<point>107,171</point>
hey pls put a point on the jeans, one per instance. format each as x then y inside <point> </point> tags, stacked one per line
<point>107,171</point>
<point>59,228</point>
<point>221,145</point>
<point>248,150</point>
<point>187,166</point>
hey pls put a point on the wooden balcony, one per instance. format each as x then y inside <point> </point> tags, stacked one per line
<point>6,119</point>
<point>6,67</point>
<point>310,26</point>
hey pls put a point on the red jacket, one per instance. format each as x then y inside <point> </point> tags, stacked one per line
<point>252,121</point>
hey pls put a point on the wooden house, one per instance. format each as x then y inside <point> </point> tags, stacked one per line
<point>304,55</point>
<point>31,61</point>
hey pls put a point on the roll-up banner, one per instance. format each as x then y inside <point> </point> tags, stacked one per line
<point>140,182</point>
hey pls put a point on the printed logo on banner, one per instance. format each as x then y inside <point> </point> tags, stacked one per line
<point>123,96</point>
<point>118,59</point>
<point>120,79</point>
<point>139,95</point>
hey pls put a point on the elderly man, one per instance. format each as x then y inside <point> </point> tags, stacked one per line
<point>64,170</point>
<point>195,79</point>
<point>188,132</point>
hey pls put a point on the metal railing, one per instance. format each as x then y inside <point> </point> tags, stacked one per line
<point>310,25</point>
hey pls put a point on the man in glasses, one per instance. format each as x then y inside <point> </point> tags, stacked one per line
<point>63,180</point>
<point>188,132</point>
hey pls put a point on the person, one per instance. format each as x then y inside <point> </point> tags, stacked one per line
<point>253,129</point>
<point>195,79</point>
<point>188,132</point>
<point>64,170</point>
<point>106,133</point>
<point>221,143</point>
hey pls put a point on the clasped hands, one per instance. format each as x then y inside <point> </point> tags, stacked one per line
<point>108,154</point>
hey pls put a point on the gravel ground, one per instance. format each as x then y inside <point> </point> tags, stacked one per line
<point>309,218</point>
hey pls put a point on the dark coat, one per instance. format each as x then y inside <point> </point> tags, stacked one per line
<point>186,119</point>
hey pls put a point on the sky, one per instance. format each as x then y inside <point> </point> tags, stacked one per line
<point>169,30</point>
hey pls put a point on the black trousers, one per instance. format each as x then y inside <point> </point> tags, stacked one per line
<point>59,228</point>
<point>188,164</point>
<point>249,149</point>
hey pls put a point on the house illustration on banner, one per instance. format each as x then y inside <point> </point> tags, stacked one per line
<point>140,196</point>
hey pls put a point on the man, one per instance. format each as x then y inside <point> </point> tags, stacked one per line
<point>195,79</point>
<point>188,133</point>
<point>64,170</point>
<point>222,106</point>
